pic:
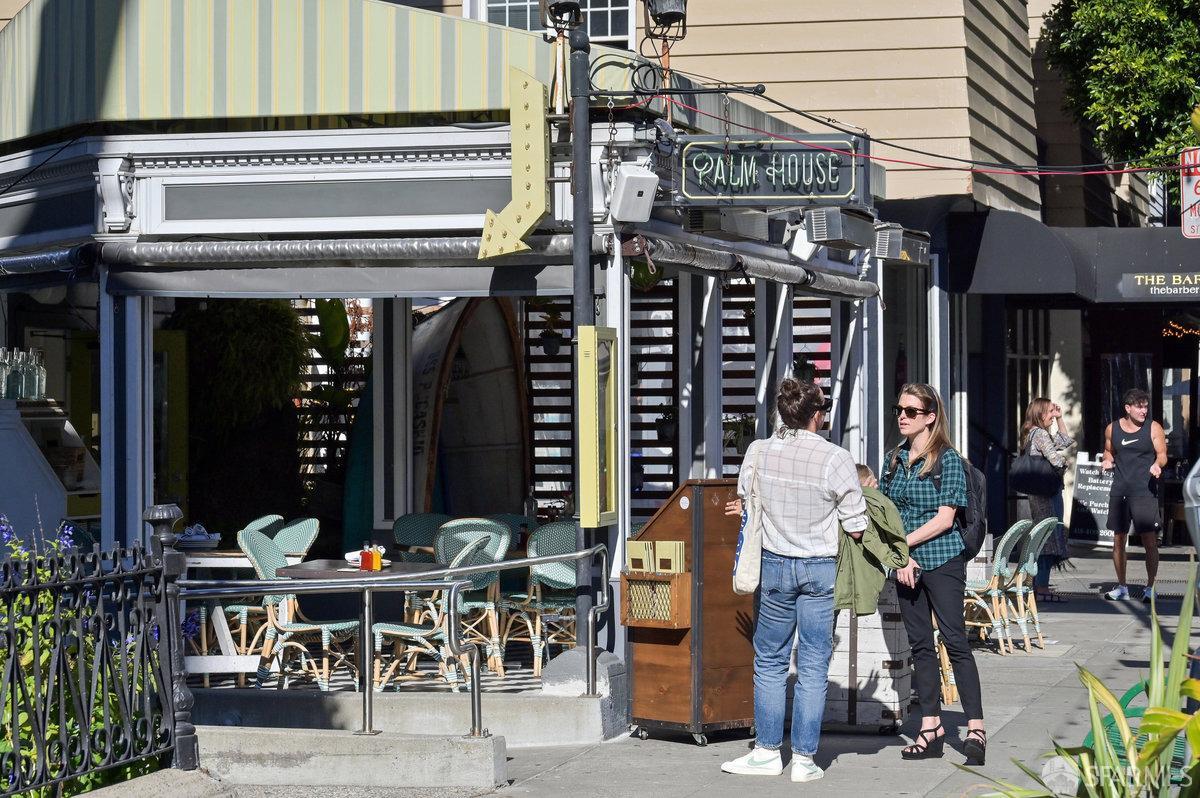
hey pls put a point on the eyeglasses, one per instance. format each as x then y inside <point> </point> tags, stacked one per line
<point>909,412</point>
<point>826,405</point>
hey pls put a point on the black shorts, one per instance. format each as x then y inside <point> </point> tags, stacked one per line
<point>1141,511</point>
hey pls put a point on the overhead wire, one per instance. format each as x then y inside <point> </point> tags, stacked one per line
<point>977,166</point>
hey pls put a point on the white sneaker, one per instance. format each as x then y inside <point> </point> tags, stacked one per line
<point>759,762</point>
<point>1118,593</point>
<point>804,769</point>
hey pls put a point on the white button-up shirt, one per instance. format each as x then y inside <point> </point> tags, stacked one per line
<point>806,486</point>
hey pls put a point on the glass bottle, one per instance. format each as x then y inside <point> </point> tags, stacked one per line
<point>16,377</point>
<point>40,375</point>
<point>4,369</point>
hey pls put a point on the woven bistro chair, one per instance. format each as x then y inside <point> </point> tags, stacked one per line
<point>479,605</point>
<point>427,636</point>
<point>546,610</point>
<point>1022,598</point>
<point>296,537</point>
<point>288,632</point>
<point>986,608</point>
<point>417,529</point>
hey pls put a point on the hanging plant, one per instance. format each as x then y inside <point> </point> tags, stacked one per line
<point>550,338</point>
<point>802,368</point>
<point>644,275</point>
<point>666,425</point>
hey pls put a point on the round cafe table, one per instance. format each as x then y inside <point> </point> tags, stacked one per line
<point>340,569</point>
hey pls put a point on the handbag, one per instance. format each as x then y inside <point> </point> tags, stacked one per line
<point>1034,475</point>
<point>747,558</point>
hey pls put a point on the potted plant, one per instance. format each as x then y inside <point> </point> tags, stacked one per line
<point>550,338</point>
<point>738,431</point>
<point>644,275</point>
<point>666,425</point>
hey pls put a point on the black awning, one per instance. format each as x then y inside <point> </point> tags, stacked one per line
<point>1004,252</point>
<point>1137,264</point>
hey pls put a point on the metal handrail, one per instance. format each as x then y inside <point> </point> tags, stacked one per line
<point>367,586</point>
<point>418,581</point>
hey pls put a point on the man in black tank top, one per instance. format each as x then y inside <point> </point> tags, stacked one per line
<point>1136,448</point>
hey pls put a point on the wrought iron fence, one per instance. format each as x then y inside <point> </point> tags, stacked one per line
<point>86,682</point>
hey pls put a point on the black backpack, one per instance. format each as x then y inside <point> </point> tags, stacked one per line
<point>972,519</point>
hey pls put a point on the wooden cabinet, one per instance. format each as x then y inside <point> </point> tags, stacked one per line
<point>693,663</point>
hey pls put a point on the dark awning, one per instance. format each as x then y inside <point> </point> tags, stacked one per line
<point>1137,264</point>
<point>1004,252</point>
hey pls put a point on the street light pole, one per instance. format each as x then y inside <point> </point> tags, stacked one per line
<point>584,307</point>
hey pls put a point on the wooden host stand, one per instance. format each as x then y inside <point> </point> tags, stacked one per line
<point>690,649</point>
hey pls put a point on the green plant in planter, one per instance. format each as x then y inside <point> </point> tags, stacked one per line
<point>38,667</point>
<point>738,431</point>
<point>644,275</point>
<point>1122,761</point>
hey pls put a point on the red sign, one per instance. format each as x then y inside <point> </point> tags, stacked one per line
<point>1189,179</point>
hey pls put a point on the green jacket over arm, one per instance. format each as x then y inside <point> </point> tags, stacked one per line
<point>862,565</point>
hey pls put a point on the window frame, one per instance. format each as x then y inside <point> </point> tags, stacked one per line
<point>478,10</point>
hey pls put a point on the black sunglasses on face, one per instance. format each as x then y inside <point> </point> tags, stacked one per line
<point>826,405</point>
<point>909,412</point>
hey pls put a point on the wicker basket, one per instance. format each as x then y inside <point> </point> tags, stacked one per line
<point>656,601</point>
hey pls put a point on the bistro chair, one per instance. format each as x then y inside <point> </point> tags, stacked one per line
<point>296,537</point>
<point>479,605</point>
<point>411,640</point>
<point>289,633</point>
<point>521,527</point>
<point>986,607</point>
<point>1025,611</point>
<point>546,610</point>
<point>417,529</point>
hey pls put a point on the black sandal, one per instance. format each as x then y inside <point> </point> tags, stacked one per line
<point>975,747</point>
<point>932,748</point>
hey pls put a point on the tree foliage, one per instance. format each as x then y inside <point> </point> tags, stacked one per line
<point>1132,71</point>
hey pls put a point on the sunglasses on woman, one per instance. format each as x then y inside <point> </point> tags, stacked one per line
<point>909,412</point>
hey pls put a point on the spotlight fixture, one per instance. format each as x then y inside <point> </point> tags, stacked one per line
<point>561,14</point>
<point>896,245</point>
<point>666,13</point>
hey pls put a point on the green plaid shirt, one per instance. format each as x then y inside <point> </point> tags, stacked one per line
<point>918,501</point>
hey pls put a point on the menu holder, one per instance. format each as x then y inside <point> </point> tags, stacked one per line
<point>639,555</point>
<point>668,556</point>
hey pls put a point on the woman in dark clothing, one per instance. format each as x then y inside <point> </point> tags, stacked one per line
<point>926,479</point>
<point>1041,439</point>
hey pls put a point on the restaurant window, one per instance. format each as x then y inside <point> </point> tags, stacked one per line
<point>608,20</point>
<point>907,336</point>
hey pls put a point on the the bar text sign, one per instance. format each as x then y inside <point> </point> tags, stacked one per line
<point>760,172</point>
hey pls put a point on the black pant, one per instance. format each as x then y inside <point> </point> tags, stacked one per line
<point>939,593</point>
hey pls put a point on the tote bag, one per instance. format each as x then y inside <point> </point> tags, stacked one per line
<point>747,558</point>
<point>1034,475</point>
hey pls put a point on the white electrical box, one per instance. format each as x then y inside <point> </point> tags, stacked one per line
<point>633,193</point>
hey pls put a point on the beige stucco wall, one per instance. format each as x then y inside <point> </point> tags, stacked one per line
<point>947,76</point>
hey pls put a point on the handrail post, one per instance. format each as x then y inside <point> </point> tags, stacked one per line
<point>162,517</point>
<point>454,642</point>
<point>366,665</point>
<point>598,606</point>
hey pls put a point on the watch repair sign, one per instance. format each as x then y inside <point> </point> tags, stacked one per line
<point>1189,178</point>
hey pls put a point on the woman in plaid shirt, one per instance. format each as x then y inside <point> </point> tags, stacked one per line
<point>925,478</point>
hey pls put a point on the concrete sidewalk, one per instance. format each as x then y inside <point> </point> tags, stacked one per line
<point>1028,699</point>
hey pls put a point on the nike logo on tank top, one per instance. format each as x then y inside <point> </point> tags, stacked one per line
<point>1133,454</point>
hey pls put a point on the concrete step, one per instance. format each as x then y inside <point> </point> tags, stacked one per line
<point>327,758</point>
<point>525,719</point>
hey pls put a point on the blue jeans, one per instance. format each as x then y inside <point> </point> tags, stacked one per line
<point>794,594</point>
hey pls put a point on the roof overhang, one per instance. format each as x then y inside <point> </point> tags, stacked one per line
<point>71,63</point>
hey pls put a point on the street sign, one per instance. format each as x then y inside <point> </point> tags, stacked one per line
<point>761,172</point>
<point>1189,179</point>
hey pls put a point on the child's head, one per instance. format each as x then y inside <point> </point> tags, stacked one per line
<point>866,477</point>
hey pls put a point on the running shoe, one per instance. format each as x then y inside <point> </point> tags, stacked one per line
<point>1118,593</point>
<point>1148,595</point>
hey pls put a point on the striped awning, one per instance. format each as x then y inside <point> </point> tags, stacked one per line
<point>69,62</point>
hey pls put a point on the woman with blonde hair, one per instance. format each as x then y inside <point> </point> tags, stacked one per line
<point>925,477</point>
<point>1038,439</point>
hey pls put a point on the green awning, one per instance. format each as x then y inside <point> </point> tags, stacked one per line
<point>69,62</point>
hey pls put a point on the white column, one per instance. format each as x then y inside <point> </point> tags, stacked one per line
<point>712,355</point>
<point>616,316</point>
<point>772,347</point>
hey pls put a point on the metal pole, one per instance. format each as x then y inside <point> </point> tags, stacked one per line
<point>584,307</point>
<point>366,665</point>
